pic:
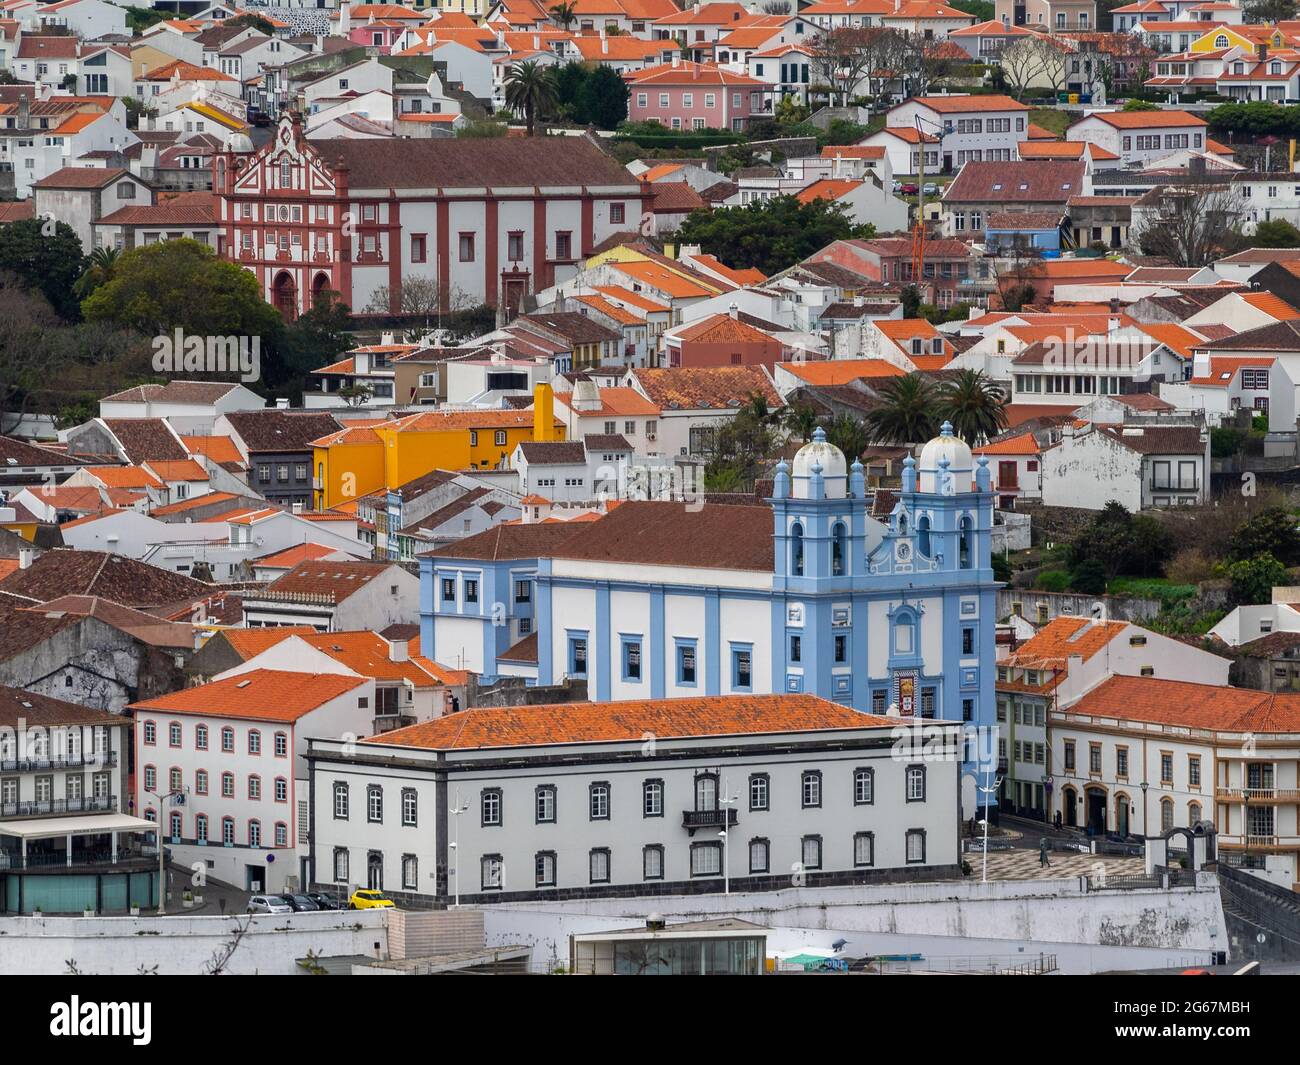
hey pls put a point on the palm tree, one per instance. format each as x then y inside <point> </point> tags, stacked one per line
<point>800,421</point>
<point>99,269</point>
<point>564,14</point>
<point>530,91</point>
<point>756,408</point>
<point>907,413</point>
<point>850,435</point>
<point>975,406</point>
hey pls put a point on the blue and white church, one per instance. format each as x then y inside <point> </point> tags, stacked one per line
<point>808,593</point>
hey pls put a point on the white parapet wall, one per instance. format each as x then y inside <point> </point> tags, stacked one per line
<point>1086,930</point>
<point>104,946</point>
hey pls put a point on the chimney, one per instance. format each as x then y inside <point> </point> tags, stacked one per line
<point>345,18</point>
<point>1261,50</point>
<point>859,301</point>
<point>734,312</point>
<point>25,556</point>
<point>297,508</point>
<point>398,650</point>
<point>1114,305</point>
<point>24,111</point>
<point>543,412</point>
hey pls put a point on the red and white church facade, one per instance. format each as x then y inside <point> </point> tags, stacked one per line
<point>490,219</point>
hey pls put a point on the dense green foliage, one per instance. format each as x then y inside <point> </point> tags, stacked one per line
<point>771,235</point>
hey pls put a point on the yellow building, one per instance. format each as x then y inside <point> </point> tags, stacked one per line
<point>1247,37</point>
<point>357,461</point>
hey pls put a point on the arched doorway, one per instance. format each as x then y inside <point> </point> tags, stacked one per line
<point>284,295</point>
<point>320,283</point>
<point>1070,807</point>
<point>1095,805</point>
<point>1122,807</point>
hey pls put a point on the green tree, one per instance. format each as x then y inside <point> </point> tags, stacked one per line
<point>850,435</point>
<point>1088,577</point>
<point>46,256</point>
<point>975,406</point>
<point>1253,579</point>
<point>564,14</point>
<point>983,10</point>
<point>772,234</point>
<point>1270,532</point>
<point>1120,543</point>
<point>1269,11</point>
<point>602,98</point>
<point>99,269</point>
<point>252,21</point>
<point>735,452</point>
<point>1141,105</point>
<point>317,338</point>
<point>483,128</point>
<point>800,421</point>
<point>181,284</point>
<point>530,91</point>
<point>908,411</point>
<point>1276,233</point>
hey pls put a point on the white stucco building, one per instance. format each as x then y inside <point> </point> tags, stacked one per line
<point>598,799</point>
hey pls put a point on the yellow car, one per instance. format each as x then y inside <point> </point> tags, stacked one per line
<point>368,900</point>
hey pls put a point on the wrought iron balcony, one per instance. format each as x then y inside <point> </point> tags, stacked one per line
<point>693,819</point>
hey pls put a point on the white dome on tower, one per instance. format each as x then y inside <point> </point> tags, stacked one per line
<point>238,142</point>
<point>949,454</point>
<point>831,466</point>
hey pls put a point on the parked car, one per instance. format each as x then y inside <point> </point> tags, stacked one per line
<point>302,904</point>
<point>368,899</point>
<point>898,186</point>
<point>323,902</point>
<point>269,904</point>
<point>910,189</point>
<point>931,189</point>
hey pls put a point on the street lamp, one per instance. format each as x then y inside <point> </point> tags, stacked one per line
<point>724,803</point>
<point>1145,831</point>
<point>988,791</point>
<point>456,811</point>
<point>162,871</point>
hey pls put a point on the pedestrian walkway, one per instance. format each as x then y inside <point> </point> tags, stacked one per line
<point>1023,864</point>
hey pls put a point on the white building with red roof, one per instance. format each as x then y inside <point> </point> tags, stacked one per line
<point>970,128</point>
<point>1140,137</point>
<point>627,819</point>
<point>235,750</point>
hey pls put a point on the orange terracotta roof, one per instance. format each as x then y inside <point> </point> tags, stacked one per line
<point>621,400</point>
<point>249,643</point>
<point>193,502</point>
<point>622,722</point>
<point>178,469</point>
<point>1178,339</point>
<point>124,477</point>
<point>662,279</point>
<point>739,278</point>
<point>1024,444</point>
<point>827,189</point>
<point>1146,119</point>
<point>636,299</point>
<point>611,310</point>
<point>291,556</point>
<point>1187,705</point>
<point>216,448</point>
<point>260,695</point>
<point>1271,304</point>
<point>723,328</point>
<point>841,371</point>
